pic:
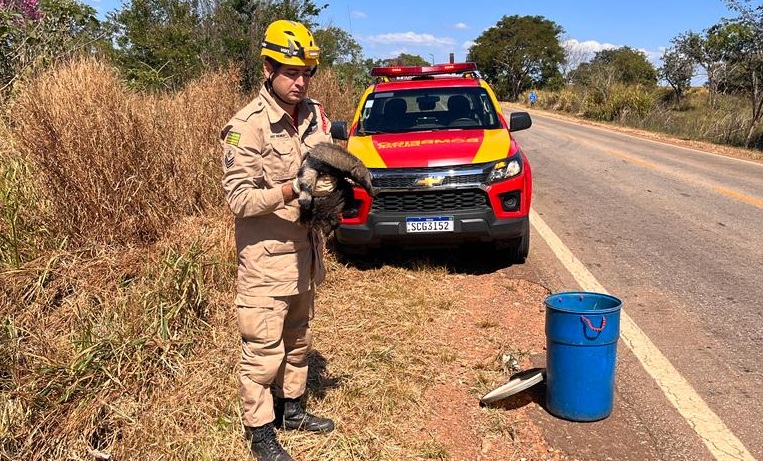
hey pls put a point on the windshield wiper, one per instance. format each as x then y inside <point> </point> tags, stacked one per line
<point>368,132</point>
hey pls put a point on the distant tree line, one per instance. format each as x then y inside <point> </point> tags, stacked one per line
<point>525,52</point>
<point>162,44</point>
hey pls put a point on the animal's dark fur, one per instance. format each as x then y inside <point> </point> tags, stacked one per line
<point>330,159</point>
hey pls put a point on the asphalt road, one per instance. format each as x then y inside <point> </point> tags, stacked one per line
<point>677,235</point>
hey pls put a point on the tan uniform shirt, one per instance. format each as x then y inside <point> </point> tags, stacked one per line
<point>277,256</point>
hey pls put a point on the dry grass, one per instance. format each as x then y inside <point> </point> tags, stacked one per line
<point>376,330</point>
<point>119,166</point>
<point>132,352</point>
<point>112,348</point>
<point>340,102</point>
<point>694,120</point>
<point>23,212</point>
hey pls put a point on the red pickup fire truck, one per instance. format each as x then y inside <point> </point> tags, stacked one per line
<point>443,161</point>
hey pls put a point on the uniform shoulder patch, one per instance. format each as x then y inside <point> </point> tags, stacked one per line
<point>233,138</point>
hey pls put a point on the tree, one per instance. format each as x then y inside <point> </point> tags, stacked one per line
<point>337,47</point>
<point>629,66</point>
<point>743,37</point>
<point>574,57</point>
<point>404,59</point>
<point>707,51</point>
<point>156,42</point>
<point>614,68</point>
<point>344,55</point>
<point>34,35</point>
<point>596,78</point>
<point>677,69</point>
<point>164,43</point>
<point>519,52</point>
<point>17,20</point>
<point>237,27</point>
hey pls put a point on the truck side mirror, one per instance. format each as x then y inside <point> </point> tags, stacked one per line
<point>519,121</point>
<point>339,130</point>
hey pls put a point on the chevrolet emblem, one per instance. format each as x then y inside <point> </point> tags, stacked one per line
<point>430,181</point>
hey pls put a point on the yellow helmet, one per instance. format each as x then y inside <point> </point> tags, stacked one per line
<point>289,42</point>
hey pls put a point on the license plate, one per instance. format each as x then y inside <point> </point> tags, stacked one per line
<point>429,224</point>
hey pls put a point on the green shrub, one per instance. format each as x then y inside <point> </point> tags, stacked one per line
<point>620,103</point>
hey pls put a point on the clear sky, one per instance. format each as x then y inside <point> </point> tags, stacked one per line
<point>434,28</point>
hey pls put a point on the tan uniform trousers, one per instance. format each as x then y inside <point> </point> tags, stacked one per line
<point>275,340</point>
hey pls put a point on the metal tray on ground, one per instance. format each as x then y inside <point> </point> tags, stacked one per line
<point>517,383</point>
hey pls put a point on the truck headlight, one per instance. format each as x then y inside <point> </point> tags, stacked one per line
<point>506,169</point>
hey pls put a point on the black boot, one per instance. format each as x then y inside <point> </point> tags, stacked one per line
<point>265,446</point>
<point>290,415</point>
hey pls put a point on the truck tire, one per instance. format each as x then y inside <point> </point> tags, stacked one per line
<point>522,248</point>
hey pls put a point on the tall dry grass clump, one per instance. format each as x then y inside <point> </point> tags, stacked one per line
<point>339,100</point>
<point>120,166</point>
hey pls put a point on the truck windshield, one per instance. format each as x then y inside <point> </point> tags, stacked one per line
<point>428,109</point>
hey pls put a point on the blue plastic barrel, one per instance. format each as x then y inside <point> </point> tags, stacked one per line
<point>581,346</point>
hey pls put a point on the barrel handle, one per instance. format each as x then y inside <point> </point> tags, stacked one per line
<point>590,325</point>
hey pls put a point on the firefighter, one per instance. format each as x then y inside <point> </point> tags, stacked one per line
<point>280,261</point>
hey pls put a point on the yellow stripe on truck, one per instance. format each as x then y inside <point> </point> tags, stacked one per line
<point>495,146</point>
<point>363,148</point>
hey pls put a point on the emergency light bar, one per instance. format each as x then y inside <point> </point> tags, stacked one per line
<point>408,71</point>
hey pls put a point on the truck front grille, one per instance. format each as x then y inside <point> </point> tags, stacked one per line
<point>435,201</point>
<point>407,182</point>
<point>450,176</point>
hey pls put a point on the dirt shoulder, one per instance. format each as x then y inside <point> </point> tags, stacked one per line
<point>501,324</point>
<point>439,331</point>
<point>502,319</point>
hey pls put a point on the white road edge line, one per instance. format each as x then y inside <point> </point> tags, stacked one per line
<point>721,442</point>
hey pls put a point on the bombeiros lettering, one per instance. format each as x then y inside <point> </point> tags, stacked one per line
<point>424,142</point>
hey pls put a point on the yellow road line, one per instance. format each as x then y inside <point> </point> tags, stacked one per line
<point>721,190</point>
<point>721,442</point>
<point>653,166</point>
<point>739,196</point>
<point>632,159</point>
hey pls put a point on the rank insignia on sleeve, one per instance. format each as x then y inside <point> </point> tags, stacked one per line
<point>232,138</point>
<point>228,158</point>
